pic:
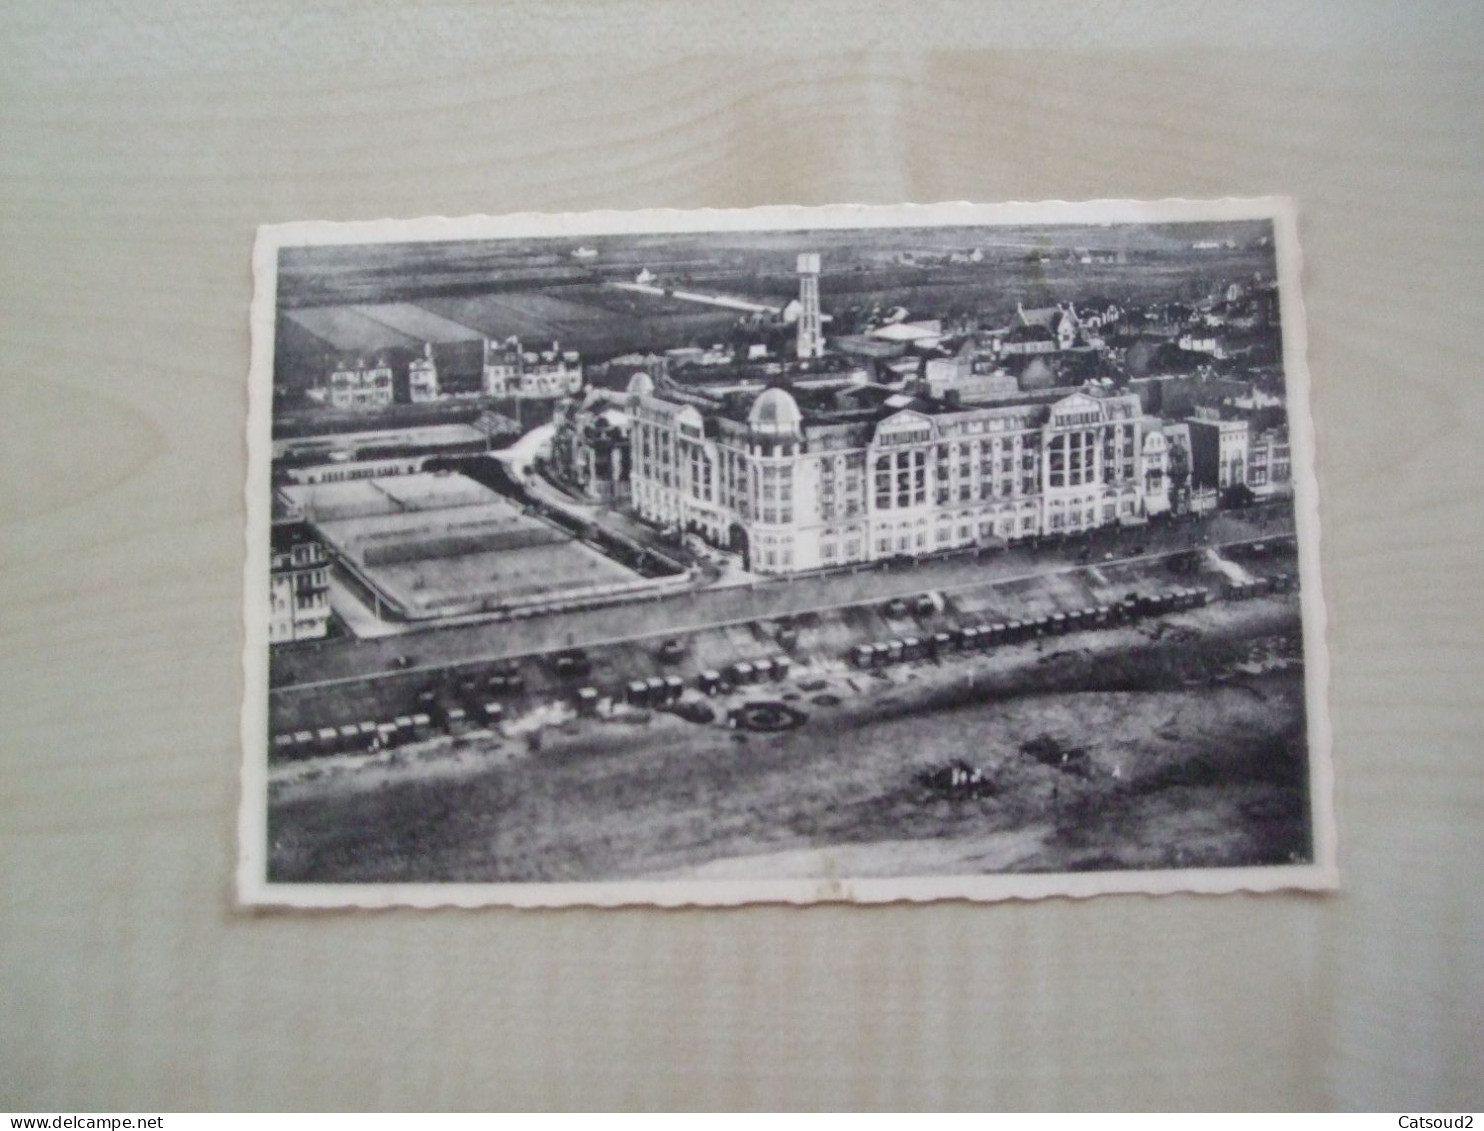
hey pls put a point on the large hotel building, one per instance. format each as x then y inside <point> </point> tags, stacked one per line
<point>857,473</point>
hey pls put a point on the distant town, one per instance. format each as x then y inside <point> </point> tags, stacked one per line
<point>522,496</point>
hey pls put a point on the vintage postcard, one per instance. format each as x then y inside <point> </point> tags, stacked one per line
<point>790,554</point>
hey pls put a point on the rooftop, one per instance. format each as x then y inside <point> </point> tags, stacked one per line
<point>777,409</point>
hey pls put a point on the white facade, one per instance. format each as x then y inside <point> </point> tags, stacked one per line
<point>1093,470</point>
<point>512,371</point>
<point>1269,462</point>
<point>1156,472</point>
<point>299,604</point>
<point>361,385</point>
<point>422,378</point>
<point>1201,343</point>
<point>798,495</point>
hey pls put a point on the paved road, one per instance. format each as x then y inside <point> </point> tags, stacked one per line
<point>519,456</point>
<point>344,660</point>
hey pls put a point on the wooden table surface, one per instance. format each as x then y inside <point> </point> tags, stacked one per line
<point>140,144</point>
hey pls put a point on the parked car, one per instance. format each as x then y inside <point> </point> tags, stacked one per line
<point>572,663</point>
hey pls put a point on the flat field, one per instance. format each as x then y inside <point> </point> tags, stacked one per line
<point>587,319</point>
<point>991,290</point>
<point>603,321</point>
<point>533,289</point>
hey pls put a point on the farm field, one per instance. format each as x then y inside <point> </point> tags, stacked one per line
<point>382,272</point>
<point>992,289</point>
<point>375,273</point>
<point>602,321</point>
<point>761,263</point>
<point>589,320</point>
<point>630,304</point>
<point>534,289</point>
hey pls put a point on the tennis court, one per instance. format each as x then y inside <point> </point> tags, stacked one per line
<point>439,543</point>
<point>387,495</point>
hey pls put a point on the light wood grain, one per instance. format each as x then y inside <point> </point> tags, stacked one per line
<point>140,144</point>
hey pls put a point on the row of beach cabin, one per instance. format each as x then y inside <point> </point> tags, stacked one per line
<point>353,737</point>
<point>475,706</point>
<point>978,638</point>
<point>662,691</point>
<point>1259,587</point>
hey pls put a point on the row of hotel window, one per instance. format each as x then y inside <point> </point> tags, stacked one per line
<point>283,602</point>
<point>914,541</point>
<point>778,554</point>
<point>911,491</point>
<point>1005,528</point>
<point>657,444</point>
<point>1073,459</point>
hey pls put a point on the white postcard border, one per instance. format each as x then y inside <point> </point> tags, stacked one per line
<point>253,889</point>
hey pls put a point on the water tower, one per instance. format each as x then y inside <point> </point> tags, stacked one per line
<point>811,336</point>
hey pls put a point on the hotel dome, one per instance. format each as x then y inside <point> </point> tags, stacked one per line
<point>775,413</point>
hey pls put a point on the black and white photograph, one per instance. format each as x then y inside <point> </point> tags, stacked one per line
<point>791,554</point>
